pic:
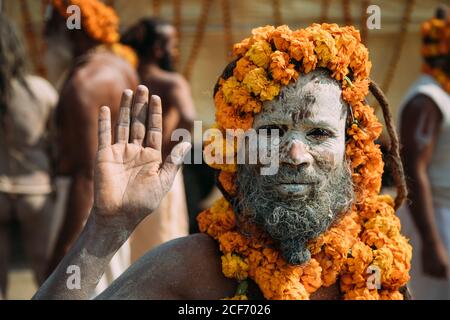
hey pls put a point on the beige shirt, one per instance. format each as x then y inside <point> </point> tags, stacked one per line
<point>439,167</point>
<point>24,138</point>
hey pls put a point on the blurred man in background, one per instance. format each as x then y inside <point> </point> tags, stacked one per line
<point>425,135</point>
<point>100,67</point>
<point>156,43</point>
<point>26,191</point>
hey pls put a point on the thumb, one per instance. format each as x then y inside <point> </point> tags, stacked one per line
<point>172,163</point>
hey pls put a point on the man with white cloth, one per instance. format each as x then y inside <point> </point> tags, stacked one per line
<point>425,134</point>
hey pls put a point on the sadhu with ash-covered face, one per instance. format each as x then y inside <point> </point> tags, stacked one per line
<point>316,229</point>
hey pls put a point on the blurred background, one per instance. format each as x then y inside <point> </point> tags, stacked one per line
<point>208,28</point>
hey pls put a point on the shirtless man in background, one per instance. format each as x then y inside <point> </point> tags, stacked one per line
<point>97,78</point>
<point>156,43</point>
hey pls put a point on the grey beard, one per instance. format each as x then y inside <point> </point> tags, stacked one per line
<point>293,221</point>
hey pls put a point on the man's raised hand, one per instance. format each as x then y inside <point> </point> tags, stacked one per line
<point>130,177</point>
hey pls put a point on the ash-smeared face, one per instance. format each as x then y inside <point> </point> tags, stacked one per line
<point>313,184</point>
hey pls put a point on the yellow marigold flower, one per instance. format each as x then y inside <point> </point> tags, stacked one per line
<point>239,97</point>
<point>325,48</point>
<point>259,53</point>
<point>258,83</point>
<point>390,226</point>
<point>234,267</point>
<point>228,87</point>
<point>383,259</point>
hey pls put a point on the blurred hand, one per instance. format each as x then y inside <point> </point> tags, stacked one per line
<point>130,178</point>
<point>435,260</point>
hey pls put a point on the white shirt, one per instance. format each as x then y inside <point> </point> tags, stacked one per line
<point>439,167</point>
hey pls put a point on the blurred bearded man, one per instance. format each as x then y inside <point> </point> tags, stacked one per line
<point>156,43</point>
<point>100,69</point>
<point>316,228</point>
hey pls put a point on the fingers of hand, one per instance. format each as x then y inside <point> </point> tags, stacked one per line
<point>104,128</point>
<point>139,115</point>
<point>178,153</point>
<point>154,124</point>
<point>172,164</point>
<point>123,124</point>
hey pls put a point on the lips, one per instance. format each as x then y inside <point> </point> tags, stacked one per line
<point>293,189</point>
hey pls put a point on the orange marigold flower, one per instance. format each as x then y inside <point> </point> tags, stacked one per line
<point>99,21</point>
<point>280,68</point>
<point>243,66</point>
<point>362,294</point>
<point>233,241</point>
<point>391,295</point>
<point>228,182</point>
<point>281,37</point>
<point>230,118</point>
<point>263,33</point>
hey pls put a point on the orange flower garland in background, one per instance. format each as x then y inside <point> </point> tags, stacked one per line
<point>101,23</point>
<point>436,43</point>
<point>98,20</point>
<point>368,235</point>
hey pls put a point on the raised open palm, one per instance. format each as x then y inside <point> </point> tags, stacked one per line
<point>130,177</point>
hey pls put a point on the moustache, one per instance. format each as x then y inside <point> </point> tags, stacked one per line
<point>291,175</point>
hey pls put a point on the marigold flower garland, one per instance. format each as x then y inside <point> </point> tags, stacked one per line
<point>102,24</point>
<point>98,20</point>
<point>436,43</point>
<point>368,235</point>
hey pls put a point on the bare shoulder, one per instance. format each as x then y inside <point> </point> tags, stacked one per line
<point>98,81</point>
<point>184,268</point>
<point>101,69</point>
<point>168,79</point>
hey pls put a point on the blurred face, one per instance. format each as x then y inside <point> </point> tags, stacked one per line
<point>169,47</point>
<point>60,49</point>
<point>313,184</point>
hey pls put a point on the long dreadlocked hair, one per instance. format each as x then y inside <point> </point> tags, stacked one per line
<point>13,62</point>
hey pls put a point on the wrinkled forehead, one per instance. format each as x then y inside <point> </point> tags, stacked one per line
<point>313,95</point>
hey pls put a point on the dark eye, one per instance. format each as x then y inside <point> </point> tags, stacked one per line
<point>281,129</point>
<point>319,134</point>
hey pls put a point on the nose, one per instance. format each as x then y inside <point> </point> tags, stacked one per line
<point>298,154</point>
